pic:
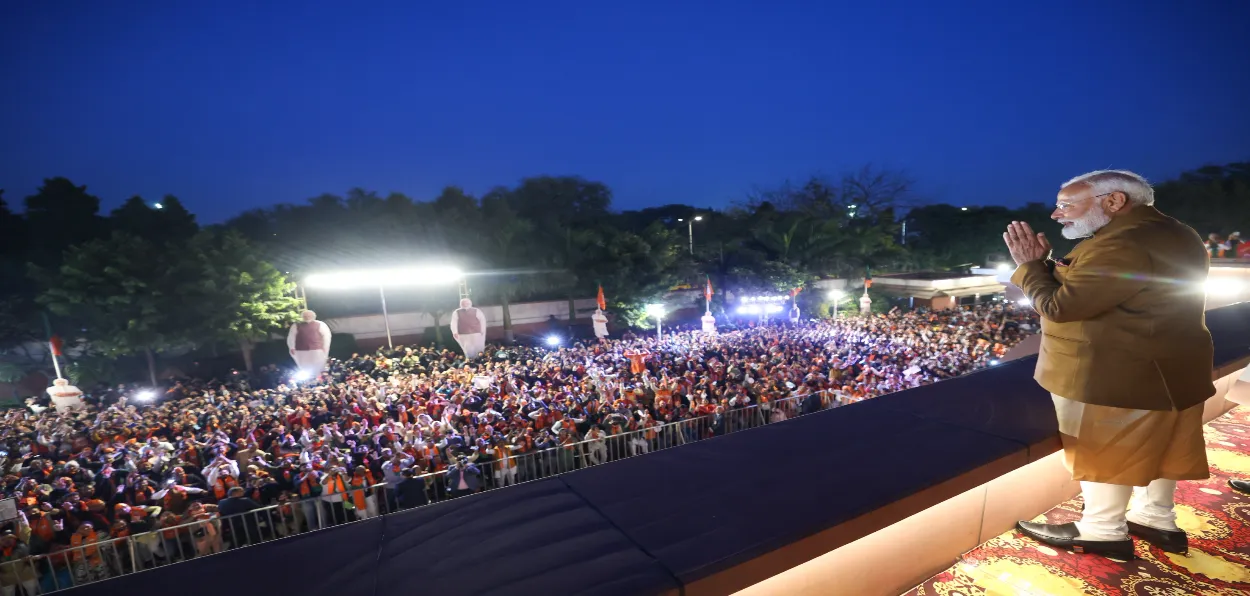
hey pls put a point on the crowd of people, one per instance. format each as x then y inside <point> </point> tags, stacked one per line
<point>1232,247</point>
<point>126,484</point>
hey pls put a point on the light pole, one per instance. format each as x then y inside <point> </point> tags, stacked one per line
<point>837,296</point>
<point>380,278</point>
<point>690,229</point>
<point>657,311</point>
<point>386,319</point>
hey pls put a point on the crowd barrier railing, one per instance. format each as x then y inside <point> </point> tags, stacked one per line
<point>113,557</point>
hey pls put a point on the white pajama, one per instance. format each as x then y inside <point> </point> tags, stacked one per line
<point>472,344</point>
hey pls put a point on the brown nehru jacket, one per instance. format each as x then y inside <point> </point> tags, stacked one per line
<point>1122,316</point>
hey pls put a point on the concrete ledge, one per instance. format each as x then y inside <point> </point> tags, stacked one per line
<point>913,546</point>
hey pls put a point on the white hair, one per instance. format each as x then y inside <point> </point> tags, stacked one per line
<point>1134,186</point>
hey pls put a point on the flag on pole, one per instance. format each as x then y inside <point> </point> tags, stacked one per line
<point>867,277</point>
<point>707,292</point>
<point>795,292</point>
<point>603,304</point>
<point>56,345</point>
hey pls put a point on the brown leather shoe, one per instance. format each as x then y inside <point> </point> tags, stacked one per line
<point>1171,541</point>
<point>1066,536</point>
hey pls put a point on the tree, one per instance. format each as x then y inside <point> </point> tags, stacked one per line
<point>239,297</point>
<point>1213,199</point>
<point>634,269</point>
<point>510,247</point>
<point>171,223</point>
<point>58,215</point>
<point>123,291</point>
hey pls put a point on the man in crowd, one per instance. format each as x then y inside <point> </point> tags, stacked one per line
<point>244,529</point>
<point>1126,355</point>
<point>411,490</point>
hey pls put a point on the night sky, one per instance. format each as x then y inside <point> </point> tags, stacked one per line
<point>233,105</point>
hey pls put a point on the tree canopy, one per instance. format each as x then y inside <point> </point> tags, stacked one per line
<point>146,277</point>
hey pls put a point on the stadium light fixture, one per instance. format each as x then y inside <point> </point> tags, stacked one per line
<point>395,277</point>
<point>146,395</point>
<point>553,340</point>
<point>656,311</point>
<point>1222,287</point>
<point>424,276</point>
<point>836,296</point>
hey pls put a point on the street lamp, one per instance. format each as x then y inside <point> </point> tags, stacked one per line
<point>158,206</point>
<point>380,278</point>
<point>656,311</point>
<point>690,229</point>
<point>836,296</point>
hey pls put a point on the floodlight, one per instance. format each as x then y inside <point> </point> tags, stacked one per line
<point>1003,267</point>
<point>1024,302</point>
<point>158,206</point>
<point>372,278</point>
<point>553,340</point>
<point>772,308</point>
<point>994,363</point>
<point>145,395</point>
<point>698,218</point>
<point>300,375</point>
<point>655,310</point>
<point>1222,287</point>
<point>837,295</point>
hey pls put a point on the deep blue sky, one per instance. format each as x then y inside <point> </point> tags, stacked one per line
<point>231,105</point>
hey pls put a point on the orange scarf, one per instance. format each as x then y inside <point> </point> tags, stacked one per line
<point>222,487</point>
<point>93,552</point>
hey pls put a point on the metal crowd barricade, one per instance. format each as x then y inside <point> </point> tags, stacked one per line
<point>165,546</point>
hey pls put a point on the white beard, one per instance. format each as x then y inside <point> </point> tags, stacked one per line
<point>1086,226</point>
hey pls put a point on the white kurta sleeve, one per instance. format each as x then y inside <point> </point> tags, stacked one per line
<point>481,317</point>
<point>325,336</point>
<point>290,339</point>
<point>455,318</point>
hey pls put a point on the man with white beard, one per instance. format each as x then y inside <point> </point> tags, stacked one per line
<point>309,343</point>
<point>468,328</point>
<point>1126,356</point>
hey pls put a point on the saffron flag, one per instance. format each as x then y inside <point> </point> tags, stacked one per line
<point>707,293</point>
<point>55,344</point>
<point>603,304</point>
<point>795,292</point>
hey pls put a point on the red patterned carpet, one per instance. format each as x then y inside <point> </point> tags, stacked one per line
<point>1216,517</point>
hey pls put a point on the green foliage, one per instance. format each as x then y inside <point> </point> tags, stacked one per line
<point>1213,199</point>
<point>90,371</point>
<point>122,289</point>
<point>238,297</point>
<point>150,279</point>
<point>11,372</point>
